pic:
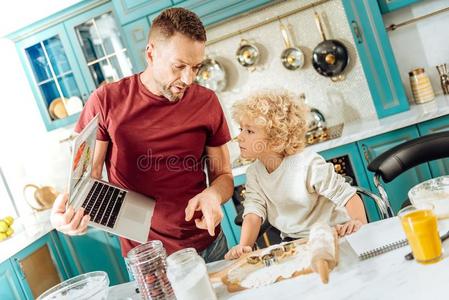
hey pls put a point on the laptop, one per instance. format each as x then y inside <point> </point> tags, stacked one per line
<point>111,208</point>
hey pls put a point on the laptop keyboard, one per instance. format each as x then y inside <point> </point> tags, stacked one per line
<point>103,203</point>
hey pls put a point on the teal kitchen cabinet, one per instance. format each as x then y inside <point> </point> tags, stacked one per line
<point>136,35</point>
<point>387,6</point>
<point>98,44</point>
<point>10,287</point>
<point>39,266</point>
<point>52,71</point>
<point>376,55</point>
<point>131,10</point>
<point>230,230</point>
<point>397,189</point>
<point>213,11</point>
<point>438,167</point>
<point>353,163</point>
<point>96,250</point>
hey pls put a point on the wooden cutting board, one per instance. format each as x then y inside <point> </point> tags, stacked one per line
<point>232,286</point>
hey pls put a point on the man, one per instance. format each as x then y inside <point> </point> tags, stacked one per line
<point>155,129</point>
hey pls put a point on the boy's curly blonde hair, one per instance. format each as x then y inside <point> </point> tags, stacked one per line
<point>283,116</point>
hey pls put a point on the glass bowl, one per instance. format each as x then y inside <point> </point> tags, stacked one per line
<point>434,191</point>
<point>93,285</point>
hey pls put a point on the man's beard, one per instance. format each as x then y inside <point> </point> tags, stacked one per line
<point>167,93</point>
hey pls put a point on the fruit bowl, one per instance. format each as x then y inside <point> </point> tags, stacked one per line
<point>93,285</point>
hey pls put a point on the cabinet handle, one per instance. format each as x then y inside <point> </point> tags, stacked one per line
<point>357,32</point>
<point>19,263</point>
<point>366,153</point>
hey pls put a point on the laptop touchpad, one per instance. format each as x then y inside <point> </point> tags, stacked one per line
<point>134,213</point>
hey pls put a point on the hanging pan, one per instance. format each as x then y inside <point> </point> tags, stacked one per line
<point>330,57</point>
<point>247,54</point>
<point>211,75</point>
<point>292,57</point>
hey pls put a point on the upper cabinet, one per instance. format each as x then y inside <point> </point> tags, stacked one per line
<point>99,46</point>
<point>376,56</point>
<point>66,62</point>
<point>131,10</point>
<point>387,6</point>
<point>54,75</point>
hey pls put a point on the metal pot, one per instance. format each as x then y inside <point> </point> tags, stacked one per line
<point>330,57</point>
<point>212,75</point>
<point>247,54</point>
<point>292,57</point>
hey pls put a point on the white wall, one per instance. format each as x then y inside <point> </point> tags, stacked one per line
<point>421,44</point>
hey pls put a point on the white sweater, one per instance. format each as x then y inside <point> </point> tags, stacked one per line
<point>303,190</point>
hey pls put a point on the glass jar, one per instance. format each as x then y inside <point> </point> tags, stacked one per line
<point>188,276</point>
<point>421,87</point>
<point>148,265</point>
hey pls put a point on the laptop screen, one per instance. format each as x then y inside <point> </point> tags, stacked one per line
<point>82,156</point>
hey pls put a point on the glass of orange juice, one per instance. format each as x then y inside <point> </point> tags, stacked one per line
<point>421,229</point>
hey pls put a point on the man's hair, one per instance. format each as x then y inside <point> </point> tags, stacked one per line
<point>178,20</point>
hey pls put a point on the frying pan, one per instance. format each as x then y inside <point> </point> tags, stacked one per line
<point>292,57</point>
<point>330,57</point>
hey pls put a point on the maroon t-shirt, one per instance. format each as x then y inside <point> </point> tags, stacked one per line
<point>157,148</point>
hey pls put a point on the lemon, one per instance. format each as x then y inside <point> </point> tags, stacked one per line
<point>10,231</point>
<point>3,226</point>
<point>3,236</point>
<point>9,220</point>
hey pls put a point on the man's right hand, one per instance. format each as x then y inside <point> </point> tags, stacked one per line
<point>66,220</point>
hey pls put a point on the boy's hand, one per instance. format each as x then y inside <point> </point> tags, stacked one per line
<point>237,251</point>
<point>348,227</point>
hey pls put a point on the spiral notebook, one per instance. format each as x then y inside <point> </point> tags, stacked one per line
<point>377,238</point>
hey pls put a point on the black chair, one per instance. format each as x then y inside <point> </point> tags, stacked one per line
<point>405,156</point>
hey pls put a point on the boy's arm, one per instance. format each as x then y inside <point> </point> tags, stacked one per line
<point>355,209</point>
<point>250,229</point>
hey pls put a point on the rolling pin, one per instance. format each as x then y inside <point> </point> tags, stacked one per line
<point>322,247</point>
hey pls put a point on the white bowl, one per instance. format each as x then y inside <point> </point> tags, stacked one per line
<point>93,285</point>
<point>434,191</point>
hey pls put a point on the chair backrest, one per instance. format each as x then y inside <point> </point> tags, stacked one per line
<point>399,159</point>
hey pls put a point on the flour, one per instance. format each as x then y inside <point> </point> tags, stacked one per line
<point>251,276</point>
<point>194,286</point>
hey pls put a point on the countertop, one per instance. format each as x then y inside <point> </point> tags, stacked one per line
<point>363,129</point>
<point>388,276</point>
<point>27,229</point>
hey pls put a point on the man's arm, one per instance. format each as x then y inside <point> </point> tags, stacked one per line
<point>220,190</point>
<point>67,220</point>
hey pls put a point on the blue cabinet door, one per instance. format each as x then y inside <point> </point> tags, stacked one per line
<point>53,74</point>
<point>376,56</point>
<point>136,35</point>
<point>97,250</point>
<point>356,163</point>
<point>98,43</point>
<point>387,6</point>
<point>438,167</point>
<point>9,283</point>
<point>397,189</point>
<point>40,266</point>
<point>131,10</point>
